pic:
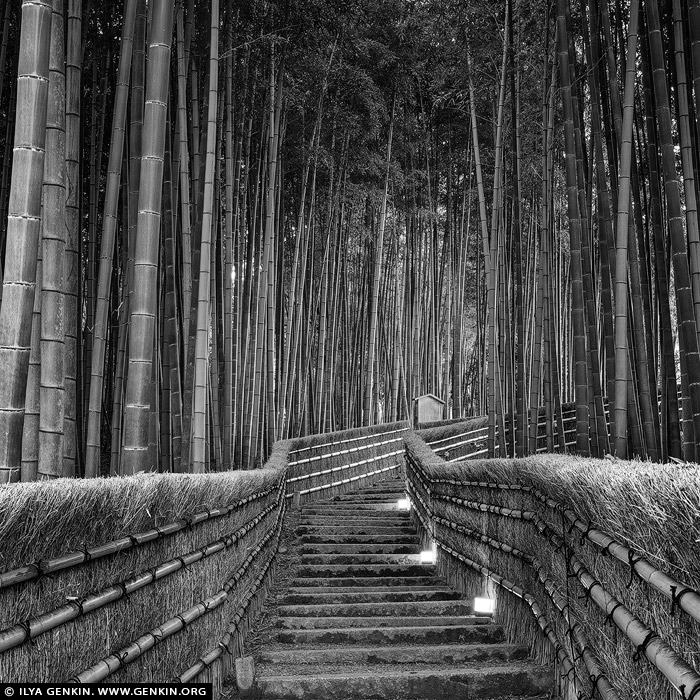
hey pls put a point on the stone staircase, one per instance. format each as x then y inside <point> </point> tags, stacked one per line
<point>363,618</point>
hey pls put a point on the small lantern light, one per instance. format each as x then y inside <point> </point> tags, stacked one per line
<point>484,606</point>
<point>403,504</point>
<point>429,556</point>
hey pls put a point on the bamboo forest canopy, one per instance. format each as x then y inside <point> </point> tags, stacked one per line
<point>226,224</point>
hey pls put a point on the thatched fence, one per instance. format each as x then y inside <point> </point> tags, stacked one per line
<point>594,562</point>
<point>157,578</point>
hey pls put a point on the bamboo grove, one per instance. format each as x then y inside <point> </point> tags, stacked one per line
<point>225,224</point>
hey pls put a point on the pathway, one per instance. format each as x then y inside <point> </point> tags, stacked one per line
<point>363,618</point>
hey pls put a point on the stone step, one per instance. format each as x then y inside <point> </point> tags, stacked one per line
<point>312,590</point>
<point>379,608</point>
<point>386,506</point>
<point>360,510</point>
<point>326,531</point>
<point>363,570</point>
<point>326,623</point>
<point>340,524</point>
<point>388,595</point>
<point>366,581</point>
<point>467,633</point>
<point>397,486</point>
<point>424,684</point>
<point>391,497</point>
<point>388,494</point>
<point>436,654</point>
<point>371,507</point>
<point>373,492</point>
<point>363,619</point>
<point>360,548</point>
<point>377,558</point>
<point>368,517</point>
<point>330,539</point>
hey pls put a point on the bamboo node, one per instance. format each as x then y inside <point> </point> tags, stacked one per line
<point>693,692</point>
<point>77,602</point>
<point>676,600</point>
<point>571,670</point>
<point>641,649</point>
<point>40,573</point>
<point>27,631</point>
<point>125,594</point>
<point>609,616</point>
<point>584,535</point>
<point>632,561</point>
<point>595,679</point>
<point>87,554</point>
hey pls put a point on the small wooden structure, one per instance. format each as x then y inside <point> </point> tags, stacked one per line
<point>426,409</point>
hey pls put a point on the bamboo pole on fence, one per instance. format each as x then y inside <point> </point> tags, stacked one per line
<point>224,646</point>
<point>646,640</point>
<point>685,597</point>
<point>35,570</point>
<point>139,647</point>
<point>660,654</point>
<point>30,629</point>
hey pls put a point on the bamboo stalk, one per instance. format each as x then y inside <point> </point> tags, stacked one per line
<point>374,299</point>
<point>23,229</point>
<point>143,305</point>
<point>52,373</point>
<point>622,370</point>
<point>104,277</point>
<point>199,403</point>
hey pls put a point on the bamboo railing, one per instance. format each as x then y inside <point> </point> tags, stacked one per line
<point>317,467</point>
<point>112,663</point>
<point>313,475</point>
<point>309,468</point>
<point>32,572</point>
<point>74,608</point>
<point>477,437</point>
<point>425,491</point>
